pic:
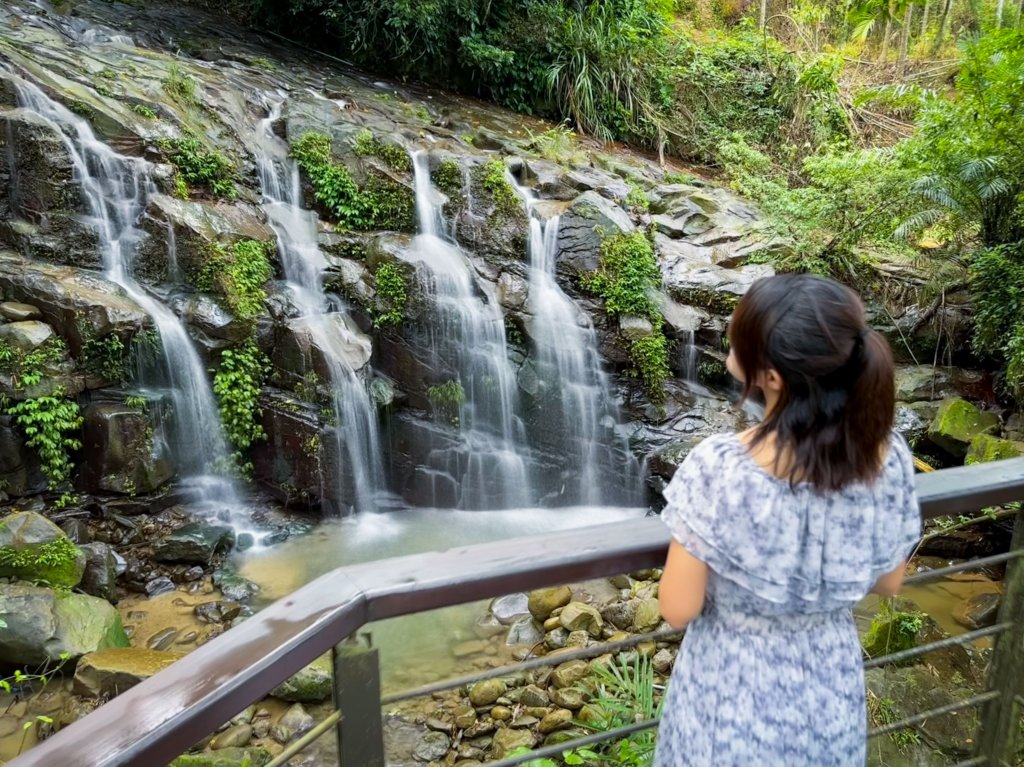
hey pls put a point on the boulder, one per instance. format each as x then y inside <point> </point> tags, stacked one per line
<point>110,672</point>
<point>311,684</point>
<point>543,602</point>
<point>509,608</point>
<point>985,448</point>
<point>32,548</point>
<point>196,226</point>
<point>213,325</point>
<point>978,611</point>
<point>648,616</point>
<point>708,286</point>
<point>100,576</point>
<point>301,348</point>
<point>121,454</point>
<point>282,463</point>
<point>512,291</point>
<point>42,625</point>
<point>432,747</point>
<point>194,543</point>
<point>16,312</point>
<point>20,474</point>
<point>76,303</point>
<point>589,220</point>
<point>26,335</point>
<point>957,423</point>
<point>916,383</point>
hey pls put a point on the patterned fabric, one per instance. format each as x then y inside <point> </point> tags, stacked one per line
<point>770,672</point>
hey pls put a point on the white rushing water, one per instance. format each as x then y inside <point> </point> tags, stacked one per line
<point>468,335</point>
<point>115,190</point>
<point>356,432</point>
<point>579,411</point>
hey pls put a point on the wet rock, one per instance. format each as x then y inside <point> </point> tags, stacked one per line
<point>524,632</point>
<point>26,335</point>
<point>507,740</point>
<point>311,684</point>
<point>217,327</point>
<point>916,383</point>
<point>662,662</point>
<point>121,454</point>
<point>100,575</point>
<point>985,448</point>
<point>159,585</point>
<point>487,626</point>
<point>569,673</point>
<point>472,647</point>
<point>512,291</point>
<point>486,692</point>
<point>194,543</point>
<point>556,720</point>
<point>709,286</point>
<point>162,639</point>
<point>957,423</point>
<point>298,351</point>
<point>42,624</point>
<point>508,609</point>
<point>295,722</point>
<point>16,312</point>
<point>434,746</point>
<point>577,616</point>
<point>19,465</point>
<point>542,602</point>
<point>219,611</point>
<point>620,614</point>
<point>979,611</point>
<point>569,698</point>
<point>582,228</point>
<point>32,548</point>
<point>77,530</point>
<point>233,586</point>
<point>237,736</point>
<point>648,616</point>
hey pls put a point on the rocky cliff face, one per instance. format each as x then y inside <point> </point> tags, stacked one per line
<point>189,95</point>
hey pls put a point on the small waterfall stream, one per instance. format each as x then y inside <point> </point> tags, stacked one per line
<point>490,470</point>
<point>356,431</point>
<point>115,190</point>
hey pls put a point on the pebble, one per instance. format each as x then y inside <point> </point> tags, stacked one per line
<point>161,640</point>
<point>486,692</point>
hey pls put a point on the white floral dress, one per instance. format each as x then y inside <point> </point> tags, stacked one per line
<point>770,672</point>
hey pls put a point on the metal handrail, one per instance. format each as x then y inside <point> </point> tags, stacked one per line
<point>157,720</point>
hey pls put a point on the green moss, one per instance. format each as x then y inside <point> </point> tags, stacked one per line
<point>891,631</point>
<point>238,274</point>
<point>447,177</point>
<point>650,358</point>
<point>365,144</point>
<point>710,300</point>
<point>957,423</point>
<point>496,184</point>
<point>225,757</point>
<point>637,198</point>
<point>58,562</point>
<point>180,86</point>
<point>985,448</point>
<point>237,385</point>
<point>391,294</point>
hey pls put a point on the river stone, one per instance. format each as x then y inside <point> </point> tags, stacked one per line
<point>121,454</point>
<point>507,740</point>
<point>237,736</point>
<point>620,614</point>
<point>486,692</point>
<point>568,697</point>
<point>543,602</point>
<point>162,639</point>
<point>432,747</point>
<point>556,638</point>
<point>100,576</point>
<point>194,543</point>
<point>17,312</point>
<point>295,722</point>
<point>916,383</point>
<point>556,720</point>
<point>227,757</point>
<point>662,661</point>
<point>957,423</point>
<point>464,717</point>
<point>524,631</point>
<point>569,673</point>
<point>159,585</point>
<point>32,548</point>
<point>534,696</point>
<point>508,609</point>
<point>577,616</point>
<point>26,335</point>
<point>978,611</point>
<point>985,448</point>
<point>648,615</point>
<point>42,624</point>
<point>311,684</point>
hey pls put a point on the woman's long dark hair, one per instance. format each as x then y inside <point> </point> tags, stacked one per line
<point>836,408</point>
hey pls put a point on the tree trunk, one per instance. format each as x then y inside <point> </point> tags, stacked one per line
<point>764,13</point>
<point>887,32</point>
<point>924,18</point>
<point>940,37</point>
<point>908,19</point>
<point>999,13</point>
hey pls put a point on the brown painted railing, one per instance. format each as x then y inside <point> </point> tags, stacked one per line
<point>161,718</point>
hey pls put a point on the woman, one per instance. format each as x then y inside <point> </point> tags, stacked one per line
<point>778,532</point>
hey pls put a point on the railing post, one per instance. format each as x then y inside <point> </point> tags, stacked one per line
<point>360,731</point>
<point>1000,718</point>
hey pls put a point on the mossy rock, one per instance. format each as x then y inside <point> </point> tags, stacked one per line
<point>311,684</point>
<point>957,423</point>
<point>226,757</point>
<point>985,448</point>
<point>892,631</point>
<point>34,549</point>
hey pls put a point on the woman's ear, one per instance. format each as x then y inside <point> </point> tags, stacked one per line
<point>771,381</point>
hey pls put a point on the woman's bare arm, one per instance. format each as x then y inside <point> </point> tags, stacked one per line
<point>681,592</point>
<point>889,585</point>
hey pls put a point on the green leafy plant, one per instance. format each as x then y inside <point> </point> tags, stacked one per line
<point>558,143</point>
<point>391,293</point>
<point>997,285</point>
<point>238,273</point>
<point>50,424</point>
<point>237,383</point>
<point>136,402</point>
<point>365,144</point>
<point>26,368</point>
<point>446,400</point>
<point>637,198</point>
<point>494,179</point>
<point>105,356</point>
<point>180,86</point>
<point>144,111</point>
<point>447,177</point>
<point>199,165</point>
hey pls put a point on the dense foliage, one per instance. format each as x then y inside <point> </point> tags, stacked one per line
<point>51,425</point>
<point>236,384</point>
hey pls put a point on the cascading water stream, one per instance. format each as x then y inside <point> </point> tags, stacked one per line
<point>115,190</point>
<point>578,410</point>
<point>469,336</point>
<point>356,431</point>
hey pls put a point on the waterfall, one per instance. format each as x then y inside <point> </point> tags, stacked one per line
<point>468,336</point>
<point>579,414</point>
<point>115,190</point>
<point>690,353</point>
<point>356,431</point>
